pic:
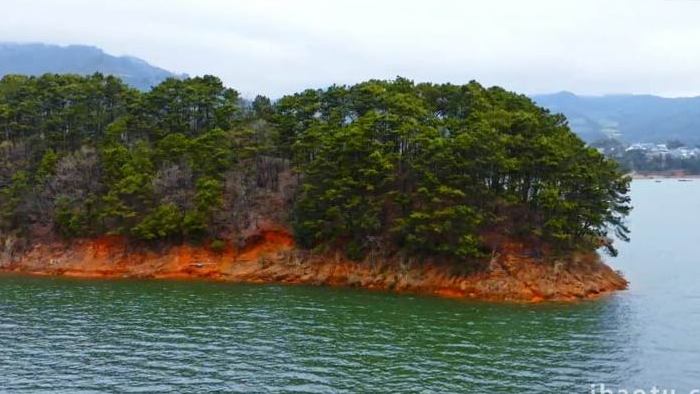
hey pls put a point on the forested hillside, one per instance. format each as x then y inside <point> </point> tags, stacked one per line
<point>425,169</point>
<point>38,59</point>
<point>629,118</point>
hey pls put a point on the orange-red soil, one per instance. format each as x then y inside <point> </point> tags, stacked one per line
<point>271,257</point>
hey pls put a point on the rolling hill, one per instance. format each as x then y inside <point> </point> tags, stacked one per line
<point>629,118</point>
<point>37,59</point>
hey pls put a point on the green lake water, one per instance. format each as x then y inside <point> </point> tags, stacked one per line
<point>68,335</point>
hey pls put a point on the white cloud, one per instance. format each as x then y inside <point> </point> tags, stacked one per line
<point>277,47</point>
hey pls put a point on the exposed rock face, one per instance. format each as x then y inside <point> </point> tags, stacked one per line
<point>271,256</point>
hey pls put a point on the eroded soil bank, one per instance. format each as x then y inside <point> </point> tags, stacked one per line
<point>272,258</point>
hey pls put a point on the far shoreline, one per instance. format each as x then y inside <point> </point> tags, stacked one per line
<point>680,175</point>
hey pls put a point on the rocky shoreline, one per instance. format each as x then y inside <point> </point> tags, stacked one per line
<point>273,258</point>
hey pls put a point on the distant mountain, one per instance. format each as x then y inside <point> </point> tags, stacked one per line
<point>37,59</point>
<point>629,118</point>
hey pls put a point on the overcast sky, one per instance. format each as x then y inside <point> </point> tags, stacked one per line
<point>277,47</point>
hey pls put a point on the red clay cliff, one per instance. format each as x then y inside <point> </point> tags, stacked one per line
<point>272,257</point>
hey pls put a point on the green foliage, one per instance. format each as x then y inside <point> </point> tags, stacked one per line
<point>218,245</point>
<point>190,106</point>
<point>12,199</point>
<point>208,196</point>
<point>382,165</point>
<point>73,219</point>
<point>343,193</point>
<point>64,111</point>
<point>262,108</point>
<point>194,225</point>
<point>47,166</point>
<point>163,222</point>
<point>440,166</point>
<point>212,153</point>
<point>173,147</point>
<point>128,177</point>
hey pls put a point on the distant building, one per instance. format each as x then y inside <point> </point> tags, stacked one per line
<point>651,150</point>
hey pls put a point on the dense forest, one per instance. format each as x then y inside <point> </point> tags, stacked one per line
<point>427,169</point>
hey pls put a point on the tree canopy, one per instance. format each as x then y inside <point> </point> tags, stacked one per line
<point>428,169</point>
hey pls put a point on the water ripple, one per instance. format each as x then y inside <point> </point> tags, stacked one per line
<point>130,336</point>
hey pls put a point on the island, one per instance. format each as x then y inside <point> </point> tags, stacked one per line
<point>453,190</point>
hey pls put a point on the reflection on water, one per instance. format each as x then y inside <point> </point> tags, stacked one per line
<point>191,337</point>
